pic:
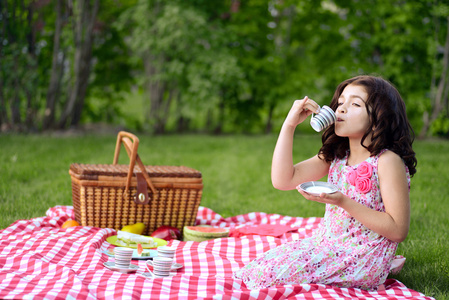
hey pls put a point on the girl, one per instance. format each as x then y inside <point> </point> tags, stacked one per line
<point>368,155</point>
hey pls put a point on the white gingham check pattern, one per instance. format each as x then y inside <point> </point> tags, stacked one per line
<point>40,260</point>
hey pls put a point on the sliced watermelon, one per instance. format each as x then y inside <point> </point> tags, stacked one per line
<point>139,249</point>
<point>203,232</point>
<point>206,229</point>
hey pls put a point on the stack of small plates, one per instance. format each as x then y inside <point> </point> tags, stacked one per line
<point>166,251</point>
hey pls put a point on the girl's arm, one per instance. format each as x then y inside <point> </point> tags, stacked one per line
<point>395,221</point>
<point>285,175</point>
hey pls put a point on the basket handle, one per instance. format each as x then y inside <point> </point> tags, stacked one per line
<point>131,143</point>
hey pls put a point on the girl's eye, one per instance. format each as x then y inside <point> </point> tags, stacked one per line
<point>339,103</point>
<point>356,104</point>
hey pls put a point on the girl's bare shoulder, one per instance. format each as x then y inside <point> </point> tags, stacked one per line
<point>390,160</point>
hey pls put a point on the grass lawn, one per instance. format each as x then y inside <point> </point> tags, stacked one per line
<point>236,176</point>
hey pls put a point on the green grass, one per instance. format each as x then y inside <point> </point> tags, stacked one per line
<point>236,176</point>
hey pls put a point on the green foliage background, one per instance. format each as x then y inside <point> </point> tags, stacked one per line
<point>224,66</point>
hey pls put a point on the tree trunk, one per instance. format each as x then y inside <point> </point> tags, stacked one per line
<point>269,123</point>
<point>32,104</point>
<point>165,111</point>
<point>31,111</point>
<point>56,67</point>
<point>3,116</point>
<point>209,118</point>
<point>83,85</point>
<point>15,102</point>
<point>84,21</point>
<point>182,123</point>
<point>156,90</point>
<point>221,115</point>
<point>440,91</point>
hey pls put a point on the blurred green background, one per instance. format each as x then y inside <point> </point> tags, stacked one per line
<point>221,66</point>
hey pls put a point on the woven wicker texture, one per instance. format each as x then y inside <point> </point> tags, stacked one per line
<point>99,199</point>
<point>84,170</point>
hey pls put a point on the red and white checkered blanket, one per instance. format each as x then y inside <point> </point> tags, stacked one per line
<point>40,260</point>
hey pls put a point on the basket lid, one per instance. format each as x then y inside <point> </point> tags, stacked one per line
<point>89,170</point>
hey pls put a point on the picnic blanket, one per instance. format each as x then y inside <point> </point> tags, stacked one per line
<point>40,260</point>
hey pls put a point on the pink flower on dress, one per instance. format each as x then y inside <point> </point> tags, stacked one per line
<point>365,170</point>
<point>361,177</point>
<point>352,176</point>
<point>363,185</point>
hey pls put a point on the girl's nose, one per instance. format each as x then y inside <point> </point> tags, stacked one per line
<point>341,108</point>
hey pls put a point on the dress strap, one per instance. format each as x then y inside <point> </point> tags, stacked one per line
<point>376,158</point>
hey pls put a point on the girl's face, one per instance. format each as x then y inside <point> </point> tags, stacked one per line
<point>352,116</point>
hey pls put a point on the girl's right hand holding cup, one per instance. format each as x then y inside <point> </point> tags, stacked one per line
<point>300,110</point>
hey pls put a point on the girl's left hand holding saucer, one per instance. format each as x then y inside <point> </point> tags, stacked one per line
<point>336,198</point>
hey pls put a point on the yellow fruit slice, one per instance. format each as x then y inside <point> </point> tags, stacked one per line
<point>137,228</point>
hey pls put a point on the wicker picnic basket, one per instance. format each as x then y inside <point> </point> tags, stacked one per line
<point>112,196</point>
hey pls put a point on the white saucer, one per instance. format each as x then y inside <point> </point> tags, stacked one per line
<point>111,266</point>
<point>152,253</point>
<point>315,188</point>
<point>174,266</point>
<point>150,274</point>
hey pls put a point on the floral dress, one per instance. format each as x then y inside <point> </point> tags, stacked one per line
<point>341,251</point>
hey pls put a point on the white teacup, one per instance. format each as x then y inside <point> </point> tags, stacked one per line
<point>325,118</point>
<point>161,266</point>
<point>123,257</point>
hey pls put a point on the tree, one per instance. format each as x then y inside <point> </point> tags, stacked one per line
<point>216,66</point>
<point>186,64</point>
<point>401,41</point>
<point>18,73</point>
<point>440,75</point>
<point>56,69</point>
<point>83,21</point>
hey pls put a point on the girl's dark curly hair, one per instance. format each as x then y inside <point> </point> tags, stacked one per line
<point>389,125</point>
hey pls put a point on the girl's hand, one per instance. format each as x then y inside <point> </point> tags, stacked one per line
<point>336,198</point>
<point>300,110</point>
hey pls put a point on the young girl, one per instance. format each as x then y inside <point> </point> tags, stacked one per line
<point>368,155</point>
